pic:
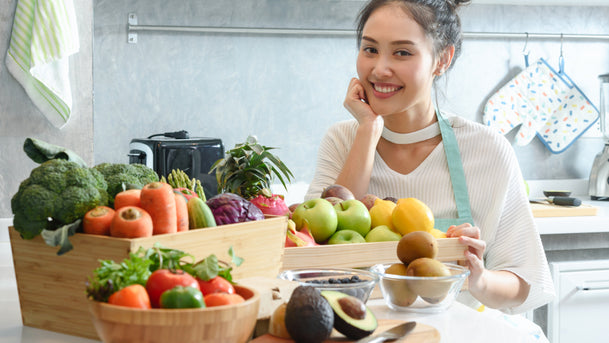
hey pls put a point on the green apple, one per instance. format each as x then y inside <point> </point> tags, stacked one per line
<point>346,237</point>
<point>353,215</point>
<point>382,233</point>
<point>319,216</point>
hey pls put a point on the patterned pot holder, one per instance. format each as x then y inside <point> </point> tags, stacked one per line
<point>545,103</point>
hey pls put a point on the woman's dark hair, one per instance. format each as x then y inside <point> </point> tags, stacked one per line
<point>438,18</point>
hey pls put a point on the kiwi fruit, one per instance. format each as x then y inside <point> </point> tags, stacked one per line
<point>397,289</point>
<point>415,245</point>
<point>433,291</point>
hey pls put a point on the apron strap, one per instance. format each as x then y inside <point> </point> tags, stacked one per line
<point>457,174</point>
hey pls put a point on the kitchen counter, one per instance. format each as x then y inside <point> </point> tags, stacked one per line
<point>458,324</point>
<point>577,224</point>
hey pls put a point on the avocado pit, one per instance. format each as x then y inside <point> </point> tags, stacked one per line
<point>352,317</point>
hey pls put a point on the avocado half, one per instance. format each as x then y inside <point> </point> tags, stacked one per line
<point>352,317</point>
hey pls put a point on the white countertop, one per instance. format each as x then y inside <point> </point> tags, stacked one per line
<point>458,324</point>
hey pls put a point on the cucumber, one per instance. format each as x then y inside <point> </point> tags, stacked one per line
<point>199,214</point>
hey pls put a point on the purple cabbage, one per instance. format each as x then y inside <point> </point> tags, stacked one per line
<point>229,208</point>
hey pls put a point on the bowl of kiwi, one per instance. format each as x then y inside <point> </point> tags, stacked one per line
<point>425,286</point>
<point>352,281</point>
<point>419,282</point>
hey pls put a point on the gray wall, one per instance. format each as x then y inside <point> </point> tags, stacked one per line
<point>285,89</point>
<point>288,89</point>
<point>19,118</point>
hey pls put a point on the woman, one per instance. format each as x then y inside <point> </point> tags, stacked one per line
<point>400,145</point>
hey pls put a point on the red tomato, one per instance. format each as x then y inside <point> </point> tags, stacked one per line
<point>219,299</point>
<point>131,296</point>
<point>216,285</point>
<point>164,279</point>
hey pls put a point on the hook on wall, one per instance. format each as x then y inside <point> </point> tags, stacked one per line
<point>525,51</point>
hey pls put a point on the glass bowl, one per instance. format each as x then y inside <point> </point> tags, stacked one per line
<point>355,282</point>
<point>420,294</point>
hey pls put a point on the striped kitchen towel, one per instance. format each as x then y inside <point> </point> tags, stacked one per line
<point>44,35</point>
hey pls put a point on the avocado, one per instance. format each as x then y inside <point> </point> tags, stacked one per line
<point>308,316</point>
<point>352,317</point>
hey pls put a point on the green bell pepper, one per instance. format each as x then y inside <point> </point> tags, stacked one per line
<point>182,297</point>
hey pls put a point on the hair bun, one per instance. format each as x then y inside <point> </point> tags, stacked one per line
<point>456,3</point>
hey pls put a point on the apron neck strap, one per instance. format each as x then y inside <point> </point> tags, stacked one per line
<point>455,168</point>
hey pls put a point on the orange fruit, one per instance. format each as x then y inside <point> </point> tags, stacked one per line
<point>411,214</point>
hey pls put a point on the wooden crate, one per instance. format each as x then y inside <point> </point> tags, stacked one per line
<point>360,255</point>
<point>52,288</point>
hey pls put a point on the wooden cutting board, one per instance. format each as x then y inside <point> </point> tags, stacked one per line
<point>548,210</point>
<point>422,333</point>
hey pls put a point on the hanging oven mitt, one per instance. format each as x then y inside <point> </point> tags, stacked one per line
<point>545,103</point>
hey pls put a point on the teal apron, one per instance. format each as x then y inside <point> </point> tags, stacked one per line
<point>457,177</point>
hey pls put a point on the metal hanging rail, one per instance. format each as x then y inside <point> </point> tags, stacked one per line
<point>133,28</point>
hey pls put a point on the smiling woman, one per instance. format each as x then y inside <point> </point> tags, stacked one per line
<point>401,145</point>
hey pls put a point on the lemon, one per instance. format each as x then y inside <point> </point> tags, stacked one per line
<point>381,213</point>
<point>411,214</point>
<point>437,233</point>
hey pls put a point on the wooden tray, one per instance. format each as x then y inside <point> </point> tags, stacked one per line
<point>52,288</point>
<point>422,333</point>
<point>360,254</point>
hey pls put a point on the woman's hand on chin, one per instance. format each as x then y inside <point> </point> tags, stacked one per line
<point>356,103</point>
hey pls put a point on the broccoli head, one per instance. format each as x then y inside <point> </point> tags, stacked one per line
<point>57,193</point>
<point>121,176</point>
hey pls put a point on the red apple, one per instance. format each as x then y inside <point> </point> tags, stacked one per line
<point>338,191</point>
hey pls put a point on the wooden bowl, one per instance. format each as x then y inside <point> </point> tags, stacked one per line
<point>228,323</point>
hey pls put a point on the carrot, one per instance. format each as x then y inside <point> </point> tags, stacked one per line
<point>131,296</point>
<point>130,197</point>
<point>131,222</point>
<point>182,213</point>
<point>97,221</point>
<point>158,199</point>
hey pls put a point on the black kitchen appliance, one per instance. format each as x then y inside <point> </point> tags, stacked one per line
<point>177,150</point>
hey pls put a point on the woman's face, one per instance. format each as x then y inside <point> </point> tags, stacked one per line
<point>395,62</point>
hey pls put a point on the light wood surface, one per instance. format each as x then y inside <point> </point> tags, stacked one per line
<point>548,210</point>
<point>222,324</point>
<point>360,254</point>
<point>422,333</point>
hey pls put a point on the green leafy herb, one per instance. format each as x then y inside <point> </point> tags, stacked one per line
<point>110,276</point>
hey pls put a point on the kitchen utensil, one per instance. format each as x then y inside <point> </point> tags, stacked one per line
<point>394,333</point>
<point>557,193</point>
<point>598,186</point>
<point>558,200</point>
